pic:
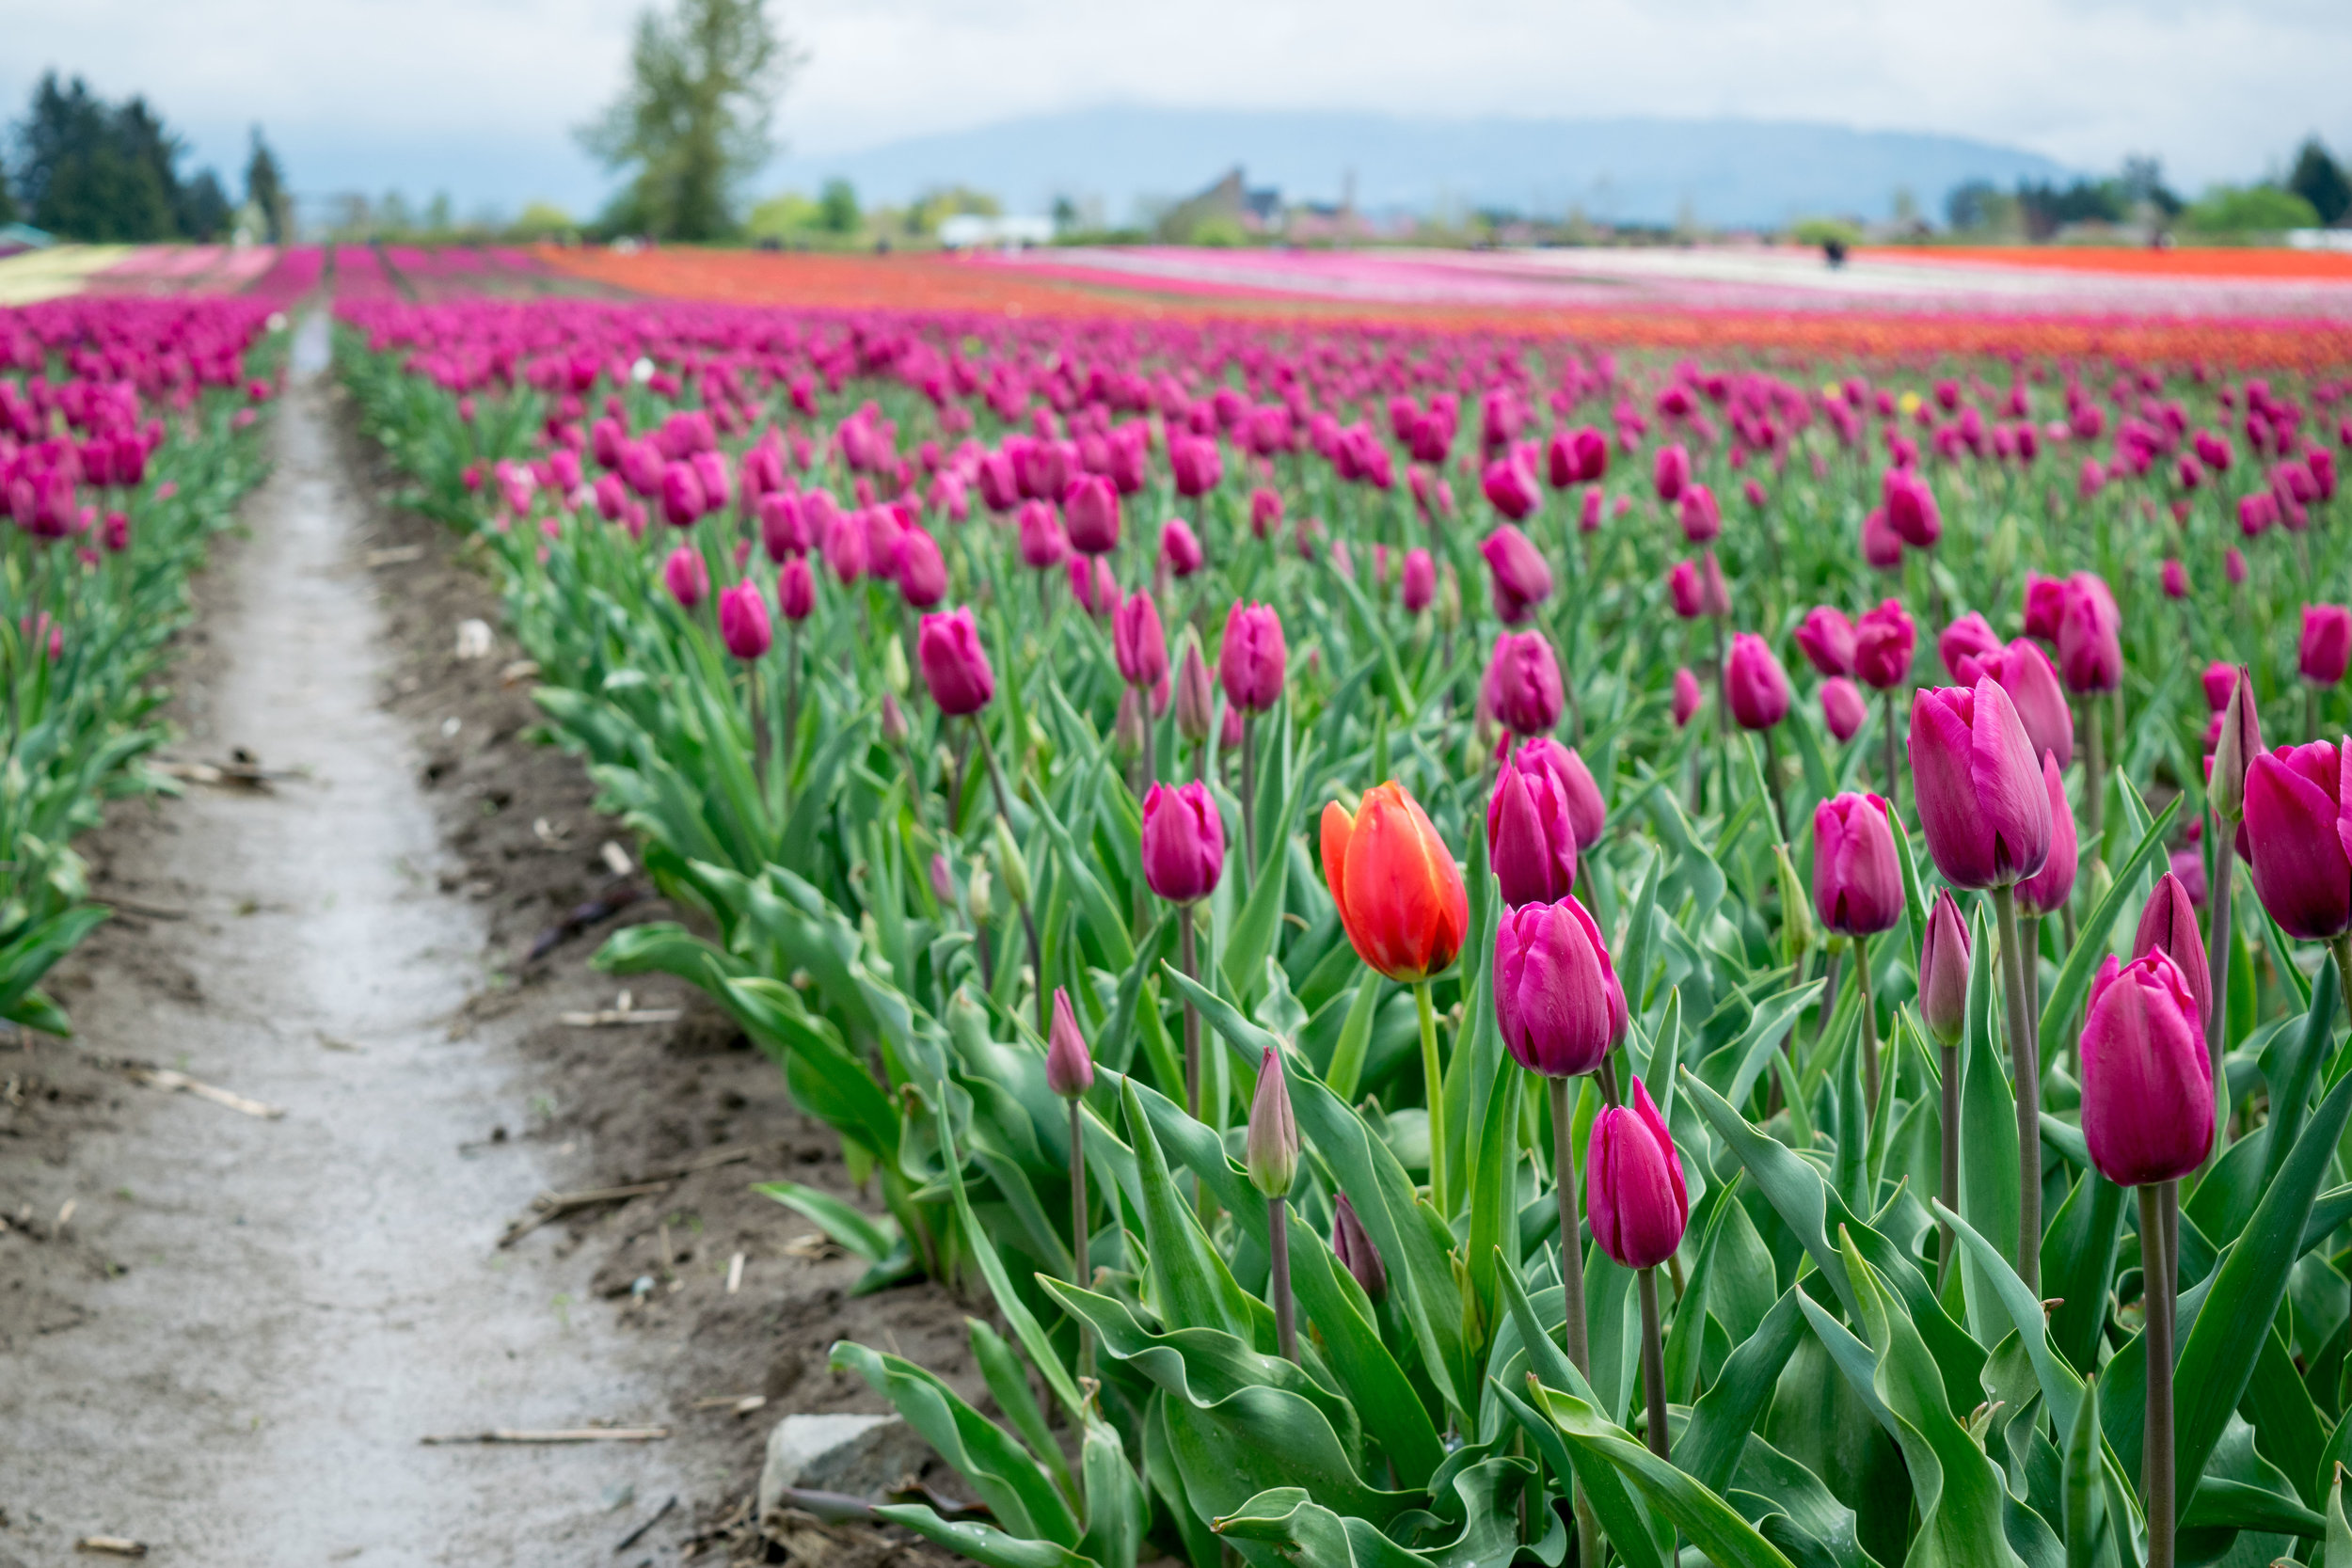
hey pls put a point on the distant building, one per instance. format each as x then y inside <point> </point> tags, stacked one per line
<point>1228,209</point>
<point>971,231</point>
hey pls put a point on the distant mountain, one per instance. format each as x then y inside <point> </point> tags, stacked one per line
<point>1647,171</point>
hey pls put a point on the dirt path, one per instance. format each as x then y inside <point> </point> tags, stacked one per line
<point>300,1299</point>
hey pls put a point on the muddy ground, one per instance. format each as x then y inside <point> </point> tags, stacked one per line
<point>225,1334</point>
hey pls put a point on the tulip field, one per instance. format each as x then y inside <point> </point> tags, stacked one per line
<point>1472,945</point>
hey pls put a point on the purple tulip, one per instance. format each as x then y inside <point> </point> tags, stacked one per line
<point>1944,970</point>
<point>1195,700</point>
<point>2089,655</point>
<point>1843,707</point>
<point>1557,1000</point>
<point>1523,681</point>
<point>1530,838</point>
<point>2024,672</point>
<point>922,570</point>
<point>2047,891</point>
<point>1633,1191</point>
<point>1979,794</point>
<point>2167,925</point>
<point>1521,579</point>
<point>1090,512</point>
<point>2147,1105</point>
<point>1250,663</point>
<point>1857,878</point>
<point>2326,643</point>
<point>1420,580</point>
<point>1511,488</point>
<point>1180,548</point>
<point>1357,1253</point>
<point>1270,1148</point>
<point>1884,641</point>
<point>1671,471</point>
<point>686,578</point>
<point>1044,545</point>
<point>955,666</point>
<point>1184,842</point>
<point>1754,683</point>
<point>1137,642</point>
<point>1686,696</point>
<point>1069,1065</point>
<point>1970,637</point>
<point>2295,829</point>
<point>1826,639</point>
<point>682,499</point>
<point>1701,519</point>
<point>796,590</point>
<point>743,621</point>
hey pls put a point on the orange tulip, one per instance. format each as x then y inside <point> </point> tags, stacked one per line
<point>1399,893</point>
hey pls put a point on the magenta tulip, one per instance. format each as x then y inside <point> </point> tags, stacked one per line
<point>1826,637</point>
<point>1137,642</point>
<point>1884,641</point>
<point>1978,790</point>
<point>1180,548</point>
<point>686,578</point>
<point>1521,579</point>
<point>1421,581</point>
<point>796,590</point>
<point>2147,1105</point>
<point>1857,877</point>
<point>955,666</point>
<point>2294,831</point>
<point>1069,1065</point>
<point>743,621</point>
<point>2024,672</point>
<point>2047,891</point>
<point>1251,661</point>
<point>1701,519</point>
<point>1686,696</point>
<point>1843,707</point>
<point>1633,1191</point>
<point>2167,925</point>
<point>1557,1000</point>
<point>1531,835</point>
<point>1524,679</point>
<point>1672,472</point>
<point>1090,512</point>
<point>2326,643</point>
<point>1754,683</point>
<point>1970,637</point>
<point>1944,970</point>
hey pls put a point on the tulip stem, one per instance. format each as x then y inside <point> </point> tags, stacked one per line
<point>1433,1079</point>
<point>2218,946</point>
<point>1771,785</point>
<point>1250,798</point>
<point>792,711</point>
<point>1870,1027</point>
<point>2028,1074</point>
<point>1892,776</point>
<point>1190,964</point>
<point>2156,1460</point>
<point>2342,949</point>
<point>1029,921</point>
<point>1653,1365</point>
<point>2311,712</point>
<point>1572,1287</point>
<point>1080,1273</point>
<point>2097,798</point>
<point>1277,1225</point>
<point>1949,1178</point>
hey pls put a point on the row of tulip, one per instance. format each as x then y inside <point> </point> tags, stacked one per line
<point>1267,1028</point>
<point>124,444</point>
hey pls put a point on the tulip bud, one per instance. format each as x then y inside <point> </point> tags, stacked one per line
<point>1857,875</point>
<point>1183,842</point>
<point>1843,707</point>
<point>2147,1106</point>
<point>2326,645</point>
<point>1687,698</point>
<point>686,578</point>
<point>1796,935</point>
<point>1195,701</point>
<point>1524,682</point>
<point>979,889</point>
<point>1420,580</point>
<point>1251,662</point>
<point>2235,749</point>
<point>1091,512</point>
<point>1884,641</point>
<point>1755,684</point>
<point>1521,578</point>
<point>1011,865</point>
<point>743,621</point>
<point>1356,1252</point>
<point>1531,842</point>
<point>796,591</point>
<point>1271,1152</point>
<point>955,666</point>
<point>2167,925</point>
<point>1826,639</point>
<point>1944,971</point>
<point>894,664</point>
<point>1180,548</point>
<point>894,721</point>
<point>1069,1066</point>
<point>943,882</point>
<point>1633,1190</point>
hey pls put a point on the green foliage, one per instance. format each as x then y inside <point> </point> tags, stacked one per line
<point>2249,210</point>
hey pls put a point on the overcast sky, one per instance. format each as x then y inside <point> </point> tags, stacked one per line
<point>478,96</point>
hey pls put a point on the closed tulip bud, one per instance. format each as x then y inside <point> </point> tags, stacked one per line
<point>682,499</point>
<point>1137,641</point>
<point>1843,707</point>
<point>1044,545</point>
<point>686,578</point>
<point>1980,798</point>
<point>1180,548</point>
<point>2047,891</point>
<point>1858,876</point>
<point>2326,643</point>
<point>1090,512</point>
<point>2175,580</point>
<point>1796,935</point>
<point>1399,894</point>
<point>1531,841</point>
<point>1524,682</point>
<point>1271,1151</point>
<point>943,882</point>
<point>1753,684</point>
<point>955,666</point>
<point>2235,749</point>
<point>1357,1253</point>
<point>977,890</point>
<point>1683,588</point>
<point>1510,489</point>
<point>1265,512</point>
<point>1251,662</point>
<point>894,665</point>
<point>1633,1191</point>
<point>1557,1000</point>
<point>2234,566</point>
<point>2167,925</point>
<point>922,570</point>
<point>1826,639</point>
<point>2220,679</point>
<point>1184,842</point>
<point>1701,519</point>
<point>1687,697</point>
<point>1970,637</point>
<point>1884,638</point>
<point>1421,581</point>
<point>1882,546</point>
<point>2147,1106</point>
<point>1588,514</point>
<point>1069,1065</point>
<point>1010,865</point>
<point>743,621</point>
<point>1521,579</point>
<point>796,590</point>
<point>1944,971</point>
<point>2294,827</point>
<point>1196,701</point>
<point>1672,472</point>
<point>1911,509</point>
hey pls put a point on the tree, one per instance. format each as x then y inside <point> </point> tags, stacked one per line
<point>2319,180</point>
<point>837,207</point>
<point>2250,210</point>
<point>204,211</point>
<point>8,197</point>
<point>93,173</point>
<point>266,189</point>
<point>694,120</point>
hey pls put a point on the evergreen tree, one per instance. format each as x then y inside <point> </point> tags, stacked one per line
<point>204,211</point>
<point>7,196</point>
<point>2319,180</point>
<point>265,188</point>
<point>694,118</point>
